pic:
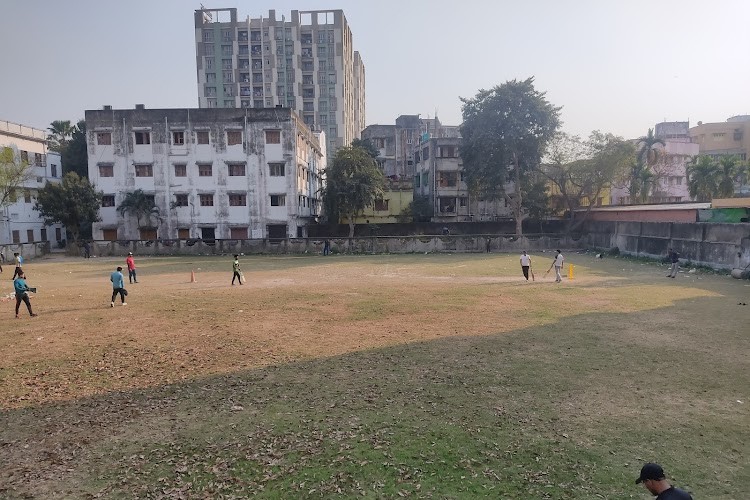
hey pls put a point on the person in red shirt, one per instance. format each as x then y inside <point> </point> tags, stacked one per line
<point>131,268</point>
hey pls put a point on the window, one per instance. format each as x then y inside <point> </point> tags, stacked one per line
<point>210,77</point>
<point>30,235</point>
<point>228,104</point>
<point>426,153</point>
<point>143,137</point>
<point>106,170</point>
<point>26,196</point>
<point>236,169</point>
<point>308,106</point>
<point>381,205</point>
<point>180,200</point>
<point>207,200</point>
<point>463,201</point>
<point>226,50</point>
<point>447,151</point>
<point>53,168</point>
<point>144,170</point>
<point>226,64</point>
<point>211,92</point>
<point>273,136</point>
<point>44,234</point>
<point>278,200</point>
<point>210,63</point>
<point>238,233</point>
<point>226,35</point>
<point>234,137</point>
<point>180,170</point>
<point>208,35</point>
<point>201,137</point>
<point>178,138</point>
<point>108,200</point>
<point>104,138</point>
<point>323,105</point>
<point>183,233</point>
<point>276,169</point>
<point>205,170</point>
<point>16,236</point>
<point>237,200</point>
<point>208,50</point>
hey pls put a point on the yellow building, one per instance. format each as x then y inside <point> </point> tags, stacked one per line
<point>397,196</point>
<point>731,137</point>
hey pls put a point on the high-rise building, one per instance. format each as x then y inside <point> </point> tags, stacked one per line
<point>306,63</point>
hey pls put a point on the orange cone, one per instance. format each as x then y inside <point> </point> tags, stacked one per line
<point>192,276</point>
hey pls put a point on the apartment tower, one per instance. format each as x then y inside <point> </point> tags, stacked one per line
<point>306,62</point>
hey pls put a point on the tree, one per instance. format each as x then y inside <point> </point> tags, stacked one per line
<point>60,132</point>
<point>139,205</point>
<point>367,145</point>
<point>581,171</point>
<point>75,154</point>
<point>73,203</point>
<point>728,172</point>
<point>536,201</point>
<point>14,171</point>
<point>505,131</point>
<point>703,174</point>
<point>419,209</point>
<point>648,153</point>
<point>353,182</point>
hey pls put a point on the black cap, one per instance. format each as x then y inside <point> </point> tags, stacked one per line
<point>650,471</point>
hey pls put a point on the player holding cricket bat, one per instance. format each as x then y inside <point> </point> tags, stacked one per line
<point>525,264</point>
<point>22,293</point>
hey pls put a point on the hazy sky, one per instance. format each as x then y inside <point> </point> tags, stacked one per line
<point>617,66</point>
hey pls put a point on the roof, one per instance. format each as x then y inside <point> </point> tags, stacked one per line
<point>639,208</point>
<point>731,203</point>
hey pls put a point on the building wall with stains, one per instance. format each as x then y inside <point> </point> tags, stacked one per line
<point>212,173</point>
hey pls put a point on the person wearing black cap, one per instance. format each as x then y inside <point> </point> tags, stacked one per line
<point>652,477</point>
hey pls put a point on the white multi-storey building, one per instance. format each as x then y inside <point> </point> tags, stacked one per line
<point>19,222</point>
<point>307,63</point>
<point>212,173</point>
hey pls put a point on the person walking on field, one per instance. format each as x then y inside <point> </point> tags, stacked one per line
<point>130,262</point>
<point>558,263</point>
<point>674,258</point>
<point>236,271</point>
<point>19,265</point>
<point>22,293</point>
<point>525,264</point>
<point>118,286</point>
<point>652,478</point>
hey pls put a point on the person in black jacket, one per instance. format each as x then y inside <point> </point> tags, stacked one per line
<point>652,478</point>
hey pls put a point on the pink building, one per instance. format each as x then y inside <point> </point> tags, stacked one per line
<point>670,169</point>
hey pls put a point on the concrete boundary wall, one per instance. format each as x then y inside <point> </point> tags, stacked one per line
<point>28,251</point>
<point>720,246</point>
<point>360,245</point>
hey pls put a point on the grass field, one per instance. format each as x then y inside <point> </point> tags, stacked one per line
<point>423,376</point>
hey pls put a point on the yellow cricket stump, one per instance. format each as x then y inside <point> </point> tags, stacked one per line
<point>570,271</point>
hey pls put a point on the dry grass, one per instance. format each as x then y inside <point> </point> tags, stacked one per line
<point>462,377</point>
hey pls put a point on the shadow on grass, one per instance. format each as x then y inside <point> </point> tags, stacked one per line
<point>569,410</point>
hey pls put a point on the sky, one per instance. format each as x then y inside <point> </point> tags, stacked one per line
<point>618,66</point>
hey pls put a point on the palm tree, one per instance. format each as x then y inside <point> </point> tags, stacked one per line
<point>647,151</point>
<point>642,176</point>
<point>728,172</point>
<point>140,205</point>
<point>703,174</point>
<point>641,182</point>
<point>60,132</point>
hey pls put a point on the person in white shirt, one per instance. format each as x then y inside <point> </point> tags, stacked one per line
<point>558,263</point>
<point>525,265</point>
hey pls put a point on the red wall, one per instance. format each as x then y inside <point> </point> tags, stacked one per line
<point>684,215</point>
